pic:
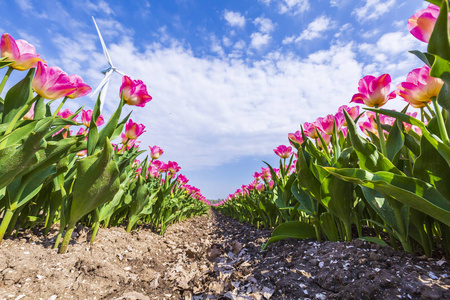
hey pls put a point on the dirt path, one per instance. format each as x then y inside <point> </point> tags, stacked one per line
<point>212,257</point>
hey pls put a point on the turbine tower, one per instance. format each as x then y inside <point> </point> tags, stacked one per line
<point>103,86</point>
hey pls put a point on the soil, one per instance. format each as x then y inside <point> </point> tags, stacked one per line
<point>212,257</point>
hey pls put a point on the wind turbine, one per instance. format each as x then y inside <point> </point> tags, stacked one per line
<point>103,86</point>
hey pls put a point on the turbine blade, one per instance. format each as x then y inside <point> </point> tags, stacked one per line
<point>102,84</point>
<point>120,72</point>
<point>105,51</point>
<point>103,95</point>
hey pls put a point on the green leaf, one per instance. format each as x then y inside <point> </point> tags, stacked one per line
<point>411,191</point>
<point>439,43</point>
<point>427,58</point>
<point>434,140</point>
<point>329,226</point>
<point>110,127</point>
<point>18,96</point>
<point>395,141</point>
<point>374,240</point>
<point>293,229</point>
<point>306,202</point>
<point>369,157</point>
<point>17,158</point>
<point>432,168</point>
<point>97,182</point>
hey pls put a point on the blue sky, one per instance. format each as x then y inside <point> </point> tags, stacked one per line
<point>229,79</point>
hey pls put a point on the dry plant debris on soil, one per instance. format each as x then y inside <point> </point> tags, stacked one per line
<point>212,257</point>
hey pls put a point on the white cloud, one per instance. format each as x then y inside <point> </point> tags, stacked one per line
<point>206,111</point>
<point>373,9</point>
<point>234,18</point>
<point>24,5</point>
<point>265,25</point>
<point>259,40</point>
<point>99,6</point>
<point>313,31</point>
<point>294,7</point>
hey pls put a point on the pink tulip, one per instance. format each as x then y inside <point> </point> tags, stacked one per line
<point>260,187</point>
<point>419,87</point>
<point>310,130</point>
<point>282,151</point>
<point>352,111</point>
<point>133,130</point>
<point>181,179</point>
<point>20,52</point>
<point>82,153</point>
<point>67,113</point>
<point>374,91</point>
<point>82,88</point>
<point>154,168</point>
<point>155,152</point>
<point>326,124</point>
<point>257,176</point>
<point>172,167</point>
<point>421,24</point>
<point>86,116</point>
<point>265,173</point>
<point>127,142</point>
<point>30,114</point>
<point>367,126</point>
<point>326,138</point>
<point>295,138</point>
<point>134,92</point>
<point>51,82</point>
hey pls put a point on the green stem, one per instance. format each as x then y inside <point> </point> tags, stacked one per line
<point>427,105</point>
<point>59,107</point>
<point>58,239</point>
<point>348,231</point>
<point>12,222</point>
<point>5,222</point>
<point>94,232</point>
<point>66,239</point>
<point>381,135</point>
<point>5,78</point>
<point>441,123</point>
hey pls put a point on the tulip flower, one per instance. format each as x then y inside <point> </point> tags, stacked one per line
<point>421,24</point>
<point>20,52</point>
<point>419,87</point>
<point>367,127</point>
<point>310,130</point>
<point>282,151</point>
<point>134,92</point>
<point>155,152</point>
<point>172,167</point>
<point>295,138</point>
<point>30,114</point>
<point>67,113</point>
<point>260,187</point>
<point>265,173</point>
<point>352,111</point>
<point>181,179</point>
<point>326,124</point>
<point>82,88</point>
<point>154,168</point>
<point>51,82</point>
<point>86,116</point>
<point>126,141</point>
<point>374,91</point>
<point>133,130</point>
<point>326,138</point>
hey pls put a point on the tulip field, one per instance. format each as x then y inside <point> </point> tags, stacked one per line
<point>371,168</point>
<point>57,169</point>
<point>360,168</point>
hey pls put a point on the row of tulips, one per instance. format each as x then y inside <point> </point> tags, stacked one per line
<point>382,169</point>
<point>52,174</point>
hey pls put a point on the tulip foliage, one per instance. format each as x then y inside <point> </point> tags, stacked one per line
<point>50,175</point>
<point>382,170</point>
